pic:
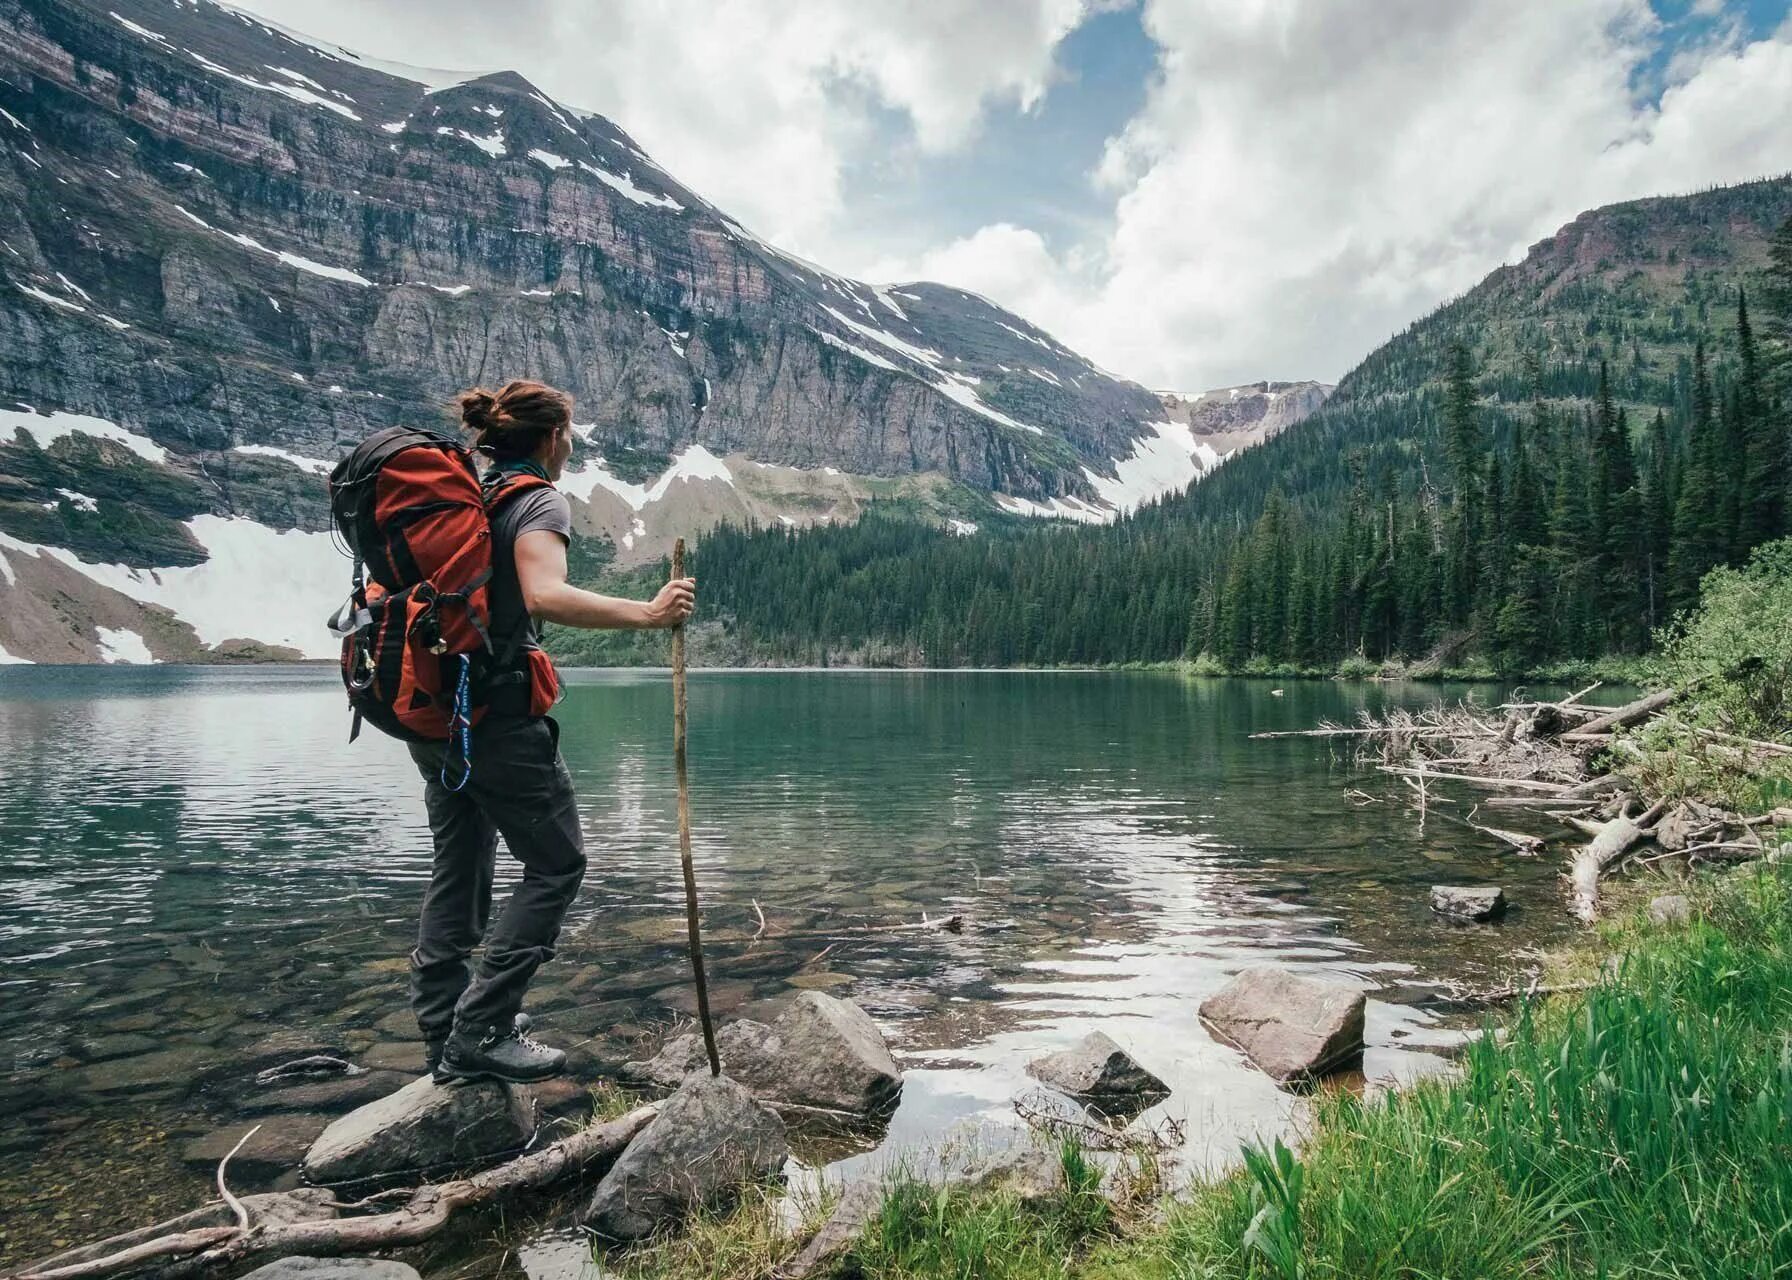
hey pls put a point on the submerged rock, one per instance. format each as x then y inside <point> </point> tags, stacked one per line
<point>1098,1069</point>
<point>303,1268</point>
<point>278,1144</point>
<point>327,1095</point>
<point>1291,1027</point>
<point>424,1126</point>
<point>1468,902</point>
<point>710,1139</point>
<point>821,1052</point>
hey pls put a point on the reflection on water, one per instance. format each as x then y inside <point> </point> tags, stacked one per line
<point>202,876</point>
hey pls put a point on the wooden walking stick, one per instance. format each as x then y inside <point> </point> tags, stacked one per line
<point>684,828</point>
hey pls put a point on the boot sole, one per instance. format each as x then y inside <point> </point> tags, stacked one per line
<point>444,1075</point>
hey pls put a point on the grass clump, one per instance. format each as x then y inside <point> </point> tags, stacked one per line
<point>934,1231</point>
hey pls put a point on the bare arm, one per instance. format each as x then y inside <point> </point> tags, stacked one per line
<point>541,573</point>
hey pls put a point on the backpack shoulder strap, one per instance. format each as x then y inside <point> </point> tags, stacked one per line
<point>501,489</point>
<point>505,487</point>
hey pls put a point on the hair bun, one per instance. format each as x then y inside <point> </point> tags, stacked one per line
<point>479,410</point>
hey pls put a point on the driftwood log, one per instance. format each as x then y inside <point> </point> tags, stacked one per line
<point>1625,716</point>
<point>422,1213</point>
<point>1611,841</point>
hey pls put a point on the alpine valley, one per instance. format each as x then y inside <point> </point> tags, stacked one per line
<point>228,252</point>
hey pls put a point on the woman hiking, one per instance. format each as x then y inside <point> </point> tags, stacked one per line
<point>471,1019</point>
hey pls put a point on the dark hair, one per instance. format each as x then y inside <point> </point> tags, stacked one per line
<point>512,421</point>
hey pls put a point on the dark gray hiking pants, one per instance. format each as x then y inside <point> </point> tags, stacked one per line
<point>519,789</point>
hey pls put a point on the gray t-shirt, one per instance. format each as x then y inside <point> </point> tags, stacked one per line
<point>539,508</point>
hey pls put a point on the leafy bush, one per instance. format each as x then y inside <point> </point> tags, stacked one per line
<point>1738,645</point>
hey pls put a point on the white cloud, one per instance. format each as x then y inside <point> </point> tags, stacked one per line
<point>756,104</point>
<point>1305,179</point>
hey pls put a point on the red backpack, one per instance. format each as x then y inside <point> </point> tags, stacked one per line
<point>417,653</point>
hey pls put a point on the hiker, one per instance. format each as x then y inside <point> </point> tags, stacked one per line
<point>472,1022</point>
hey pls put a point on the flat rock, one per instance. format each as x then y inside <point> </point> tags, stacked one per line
<point>279,1143</point>
<point>1095,1067</point>
<point>302,1268</point>
<point>1468,902</point>
<point>161,1069</point>
<point>1290,1027</point>
<point>424,1126</point>
<point>710,1138</point>
<point>820,1052</point>
<point>331,1096</point>
<point>1670,908</point>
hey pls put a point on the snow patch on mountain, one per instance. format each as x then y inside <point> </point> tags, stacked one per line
<point>694,463</point>
<point>624,184</point>
<point>492,145</point>
<point>1071,508</point>
<point>121,644</point>
<point>869,357</point>
<point>1164,463</point>
<point>317,466</point>
<point>297,261</point>
<point>46,429</point>
<point>235,594</point>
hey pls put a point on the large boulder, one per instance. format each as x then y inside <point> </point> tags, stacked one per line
<point>822,1052</point>
<point>304,1268</point>
<point>1292,1028</point>
<point>1468,902</point>
<point>424,1127</point>
<point>1097,1069</point>
<point>710,1139</point>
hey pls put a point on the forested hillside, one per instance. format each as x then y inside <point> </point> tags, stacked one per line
<point>1541,469</point>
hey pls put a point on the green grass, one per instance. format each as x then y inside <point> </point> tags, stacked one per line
<point>928,1231</point>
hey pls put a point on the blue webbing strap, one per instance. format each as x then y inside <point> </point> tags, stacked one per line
<point>460,727</point>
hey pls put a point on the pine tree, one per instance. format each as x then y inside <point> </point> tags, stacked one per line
<point>1463,450</point>
<point>1700,540</point>
<point>1761,506</point>
<point>1657,515</point>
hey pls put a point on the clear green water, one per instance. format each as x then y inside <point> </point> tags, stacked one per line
<point>201,877</point>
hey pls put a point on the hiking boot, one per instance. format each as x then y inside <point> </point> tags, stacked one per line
<point>433,1045</point>
<point>497,1053</point>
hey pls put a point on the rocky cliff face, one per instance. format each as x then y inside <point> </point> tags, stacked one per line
<point>227,253</point>
<point>1235,418</point>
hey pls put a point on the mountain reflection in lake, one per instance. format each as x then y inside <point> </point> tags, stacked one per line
<point>201,875</point>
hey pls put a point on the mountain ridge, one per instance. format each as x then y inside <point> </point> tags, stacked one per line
<point>247,252</point>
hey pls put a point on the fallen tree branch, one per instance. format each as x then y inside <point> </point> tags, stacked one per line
<point>1611,841</point>
<point>224,1192</point>
<point>213,1250</point>
<point>1518,784</point>
<point>1625,716</point>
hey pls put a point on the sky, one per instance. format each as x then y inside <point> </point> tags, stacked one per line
<point>1193,193</point>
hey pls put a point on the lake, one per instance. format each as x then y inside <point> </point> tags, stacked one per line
<point>201,874</point>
